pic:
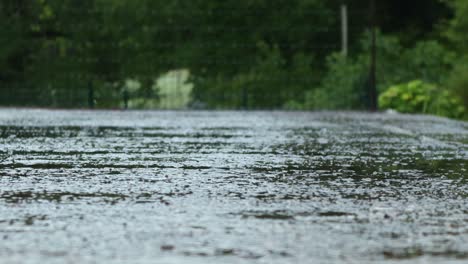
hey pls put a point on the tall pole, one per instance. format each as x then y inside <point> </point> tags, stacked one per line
<point>344,30</point>
<point>373,61</point>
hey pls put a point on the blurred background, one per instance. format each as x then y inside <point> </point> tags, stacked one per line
<point>410,56</point>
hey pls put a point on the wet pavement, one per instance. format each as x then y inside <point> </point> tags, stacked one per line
<point>232,187</point>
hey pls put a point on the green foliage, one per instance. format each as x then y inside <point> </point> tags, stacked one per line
<point>341,88</point>
<point>421,97</point>
<point>456,32</point>
<point>429,61</point>
<point>458,25</point>
<point>56,47</point>
<point>458,81</point>
<point>345,84</point>
<point>251,87</point>
<point>241,54</point>
<point>268,83</point>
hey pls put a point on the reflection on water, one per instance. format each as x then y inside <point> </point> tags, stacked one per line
<point>266,187</point>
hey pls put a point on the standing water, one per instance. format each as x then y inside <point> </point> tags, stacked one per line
<point>231,187</point>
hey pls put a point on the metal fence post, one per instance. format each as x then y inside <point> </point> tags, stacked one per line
<point>126,97</point>
<point>90,95</point>
<point>245,98</point>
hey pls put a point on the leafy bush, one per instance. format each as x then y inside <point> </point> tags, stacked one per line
<point>421,97</point>
<point>342,87</point>
<point>345,84</point>
<point>429,61</point>
<point>458,81</point>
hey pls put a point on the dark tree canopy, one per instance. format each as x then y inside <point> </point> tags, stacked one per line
<point>56,48</point>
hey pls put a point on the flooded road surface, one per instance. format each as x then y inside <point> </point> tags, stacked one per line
<point>231,187</point>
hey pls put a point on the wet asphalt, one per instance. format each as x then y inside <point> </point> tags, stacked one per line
<point>231,187</point>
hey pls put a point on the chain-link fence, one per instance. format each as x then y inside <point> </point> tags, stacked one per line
<point>203,54</point>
